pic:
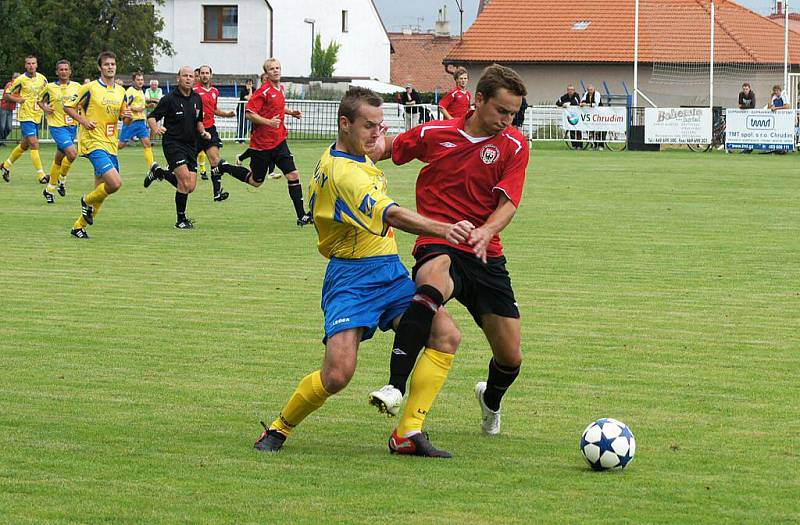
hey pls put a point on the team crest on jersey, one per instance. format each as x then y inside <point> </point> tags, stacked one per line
<point>490,154</point>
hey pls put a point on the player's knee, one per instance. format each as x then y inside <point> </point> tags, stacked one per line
<point>112,186</point>
<point>510,357</point>
<point>293,176</point>
<point>445,341</point>
<point>336,379</point>
<point>256,179</point>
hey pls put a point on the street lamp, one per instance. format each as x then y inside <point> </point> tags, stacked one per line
<point>312,22</point>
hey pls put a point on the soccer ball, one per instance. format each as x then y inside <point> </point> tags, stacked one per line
<point>608,444</point>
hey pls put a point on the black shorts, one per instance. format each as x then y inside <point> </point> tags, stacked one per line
<point>481,288</point>
<point>214,141</point>
<point>180,154</point>
<point>264,161</point>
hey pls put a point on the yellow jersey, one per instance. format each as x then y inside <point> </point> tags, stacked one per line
<point>56,94</point>
<point>135,98</point>
<point>30,89</point>
<point>102,105</point>
<point>348,202</point>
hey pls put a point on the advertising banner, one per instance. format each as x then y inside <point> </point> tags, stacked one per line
<point>677,125</point>
<point>605,118</point>
<point>760,129</point>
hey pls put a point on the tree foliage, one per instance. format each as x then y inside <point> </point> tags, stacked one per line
<point>79,31</point>
<point>323,61</point>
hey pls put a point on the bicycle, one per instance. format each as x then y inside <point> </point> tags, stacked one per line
<point>717,138</point>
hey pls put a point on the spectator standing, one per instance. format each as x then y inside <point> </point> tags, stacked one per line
<point>410,99</point>
<point>152,95</point>
<point>571,98</point>
<point>776,101</point>
<point>592,99</point>
<point>243,125</point>
<point>747,97</point>
<point>7,108</point>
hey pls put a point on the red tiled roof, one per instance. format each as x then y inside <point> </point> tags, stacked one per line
<point>669,31</point>
<point>417,59</point>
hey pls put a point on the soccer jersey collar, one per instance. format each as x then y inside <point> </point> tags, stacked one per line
<point>336,153</point>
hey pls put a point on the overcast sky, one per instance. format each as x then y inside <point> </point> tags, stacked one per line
<point>400,14</point>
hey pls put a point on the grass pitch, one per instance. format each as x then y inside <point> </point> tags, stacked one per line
<point>660,289</point>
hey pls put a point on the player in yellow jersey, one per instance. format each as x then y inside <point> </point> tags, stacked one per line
<point>25,91</point>
<point>63,128</point>
<point>138,126</point>
<point>366,285</point>
<point>102,103</point>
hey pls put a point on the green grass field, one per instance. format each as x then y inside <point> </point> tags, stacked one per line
<point>661,289</point>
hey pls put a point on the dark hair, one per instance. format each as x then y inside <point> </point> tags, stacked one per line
<point>62,62</point>
<point>776,86</point>
<point>32,56</point>
<point>495,77</point>
<point>104,55</point>
<point>746,84</point>
<point>353,99</point>
<point>205,65</point>
<point>458,72</point>
<point>137,74</point>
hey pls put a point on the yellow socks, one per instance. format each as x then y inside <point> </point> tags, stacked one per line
<point>308,396</point>
<point>201,162</point>
<point>15,154</point>
<point>426,381</point>
<point>55,170</point>
<point>95,199</point>
<point>65,166</point>
<point>148,156</point>
<point>37,162</point>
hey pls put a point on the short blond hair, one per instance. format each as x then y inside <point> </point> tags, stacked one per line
<point>269,61</point>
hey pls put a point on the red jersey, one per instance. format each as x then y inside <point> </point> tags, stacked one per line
<point>465,175</point>
<point>456,102</point>
<point>209,97</point>
<point>7,104</point>
<point>268,101</point>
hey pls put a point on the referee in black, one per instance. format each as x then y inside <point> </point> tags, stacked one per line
<point>182,111</point>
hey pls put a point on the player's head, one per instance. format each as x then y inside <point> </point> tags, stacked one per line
<point>63,69</point>
<point>31,64</point>
<point>248,83</point>
<point>204,75</point>
<point>154,84</point>
<point>360,119</point>
<point>137,80</point>
<point>498,97</point>
<point>263,79</point>
<point>107,64</point>
<point>461,77</point>
<point>185,78</point>
<point>87,80</point>
<point>272,67</point>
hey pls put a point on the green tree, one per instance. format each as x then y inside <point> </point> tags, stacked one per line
<point>79,31</point>
<point>323,61</point>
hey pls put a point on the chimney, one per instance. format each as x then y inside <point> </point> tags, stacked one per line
<point>779,7</point>
<point>442,27</point>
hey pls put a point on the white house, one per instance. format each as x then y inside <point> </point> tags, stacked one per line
<point>236,36</point>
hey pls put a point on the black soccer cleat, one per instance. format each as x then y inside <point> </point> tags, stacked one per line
<point>44,179</point>
<point>87,211</point>
<point>79,233</point>
<point>185,224</point>
<point>270,440</point>
<point>305,220</point>
<point>6,173</point>
<point>203,175</point>
<point>62,188</point>
<point>151,176</point>
<point>415,445</point>
<point>49,197</point>
<point>221,196</point>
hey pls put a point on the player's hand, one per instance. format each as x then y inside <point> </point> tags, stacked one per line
<point>47,108</point>
<point>274,122</point>
<point>459,232</point>
<point>297,114</point>
<point>126,113</point>
<point>479,239</point>
<point>230,114</point>
<point>160,130</point>
<point>206,135</point>
<point>90,124</point>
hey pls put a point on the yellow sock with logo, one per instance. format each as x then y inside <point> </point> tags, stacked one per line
<point>55,169</point>
<point>37,162</point>
<point>65,166</point>
<point>15,154</point>
<point>309,395</point>
<point>97,196</point>
<point>201,162</point>
<point>148,156</point>
<point>426,381</point>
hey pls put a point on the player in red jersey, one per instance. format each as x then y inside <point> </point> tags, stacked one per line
<point>475,171</point>
<point>266,109</point>
<point>209,94</point>
<point>456,104</point>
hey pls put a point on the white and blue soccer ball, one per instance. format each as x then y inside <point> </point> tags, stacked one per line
<point>608,444</point>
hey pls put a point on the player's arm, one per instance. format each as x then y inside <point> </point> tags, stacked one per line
<point>255,118</point>
<point>296,113</point>
<point>156,115</point>
<point>125,113</point>
<point>71,108</point>
<point>382,149</point>
<point>412,222</point>
<point>443,107</point>
<point>12,93</point>
<point>44,102</point>
<point>500,218</point>
<point>218,112</point>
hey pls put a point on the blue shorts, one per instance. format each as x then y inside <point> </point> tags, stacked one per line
<point>29,129</point>
<point>102,161</point>
<point>365,293</point>
<point>64,136</point>
<point>135,130</point>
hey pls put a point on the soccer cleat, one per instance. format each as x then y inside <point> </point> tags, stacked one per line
<point>415,445</point>
<point>48,196</point>
<point>204,175</point>
<point>62,188</point>
<point>185,224</point>
<point>387,400</point>
<point>221,196</point>
<point>87,211</point>
<point>238,160</point>
<point>305,219</point>
<point>490,420</point>
<point>274,175</point>
<point>270,440</point>
<point>151,176</point>
<point>44,179</point>
<point>5,172</point>
<point>79,233</point>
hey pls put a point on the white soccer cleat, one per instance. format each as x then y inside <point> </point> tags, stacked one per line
<point>490,420</point>
<point>387,400</point>
<point>274,175</point>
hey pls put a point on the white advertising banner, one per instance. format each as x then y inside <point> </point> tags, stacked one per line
<point>677,125</point>
<point>603,118</point>
<point>761,129</point>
